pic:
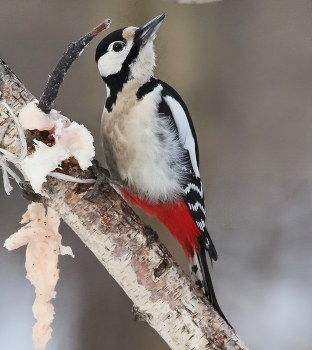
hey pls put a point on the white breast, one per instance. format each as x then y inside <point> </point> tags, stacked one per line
<point>146,154</point>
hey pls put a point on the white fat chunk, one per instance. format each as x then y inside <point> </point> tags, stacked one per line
<point>43,241</point>
<point>71,140</point>
<point>78,141</point>
<point>32,118</point>
<point>45,159</point>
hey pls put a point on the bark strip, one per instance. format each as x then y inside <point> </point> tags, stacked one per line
<point>163,295</point>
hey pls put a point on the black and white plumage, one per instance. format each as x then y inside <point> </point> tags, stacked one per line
<point>150,145</point>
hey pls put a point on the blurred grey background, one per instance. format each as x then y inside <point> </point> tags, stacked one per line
<point>244,69</point>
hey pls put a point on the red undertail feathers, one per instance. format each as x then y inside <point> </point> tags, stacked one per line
<point>176,217</point>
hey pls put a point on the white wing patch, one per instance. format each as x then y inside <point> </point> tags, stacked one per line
<point>185,133</point>
<point>107,91</point>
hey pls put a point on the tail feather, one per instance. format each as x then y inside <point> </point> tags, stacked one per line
<point>201,276</point>
<point>205,242</point>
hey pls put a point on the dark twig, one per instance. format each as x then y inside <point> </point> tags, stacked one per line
<point>70,55</point>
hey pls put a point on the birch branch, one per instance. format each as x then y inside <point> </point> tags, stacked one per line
<point>163,295</point>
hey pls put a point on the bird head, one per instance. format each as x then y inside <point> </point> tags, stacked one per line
<point>128,53</point>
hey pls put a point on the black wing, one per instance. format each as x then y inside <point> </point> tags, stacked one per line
<point>194,195</point>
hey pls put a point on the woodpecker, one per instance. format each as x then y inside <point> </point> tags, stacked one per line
<point>150,145</point>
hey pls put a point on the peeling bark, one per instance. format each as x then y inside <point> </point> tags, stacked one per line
<point>163,295</point>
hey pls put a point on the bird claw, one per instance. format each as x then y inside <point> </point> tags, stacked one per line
<point>102,179</point>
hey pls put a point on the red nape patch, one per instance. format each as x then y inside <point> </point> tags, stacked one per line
<point>176,217</point>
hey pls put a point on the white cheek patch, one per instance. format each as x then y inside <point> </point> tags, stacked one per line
<point>111,62</point>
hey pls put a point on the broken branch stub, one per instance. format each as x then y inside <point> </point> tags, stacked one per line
<point>70,55</point>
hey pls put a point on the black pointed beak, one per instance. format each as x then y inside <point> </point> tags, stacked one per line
<point>148,30</point>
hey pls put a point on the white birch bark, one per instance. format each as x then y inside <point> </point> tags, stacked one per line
<point>162,293</point>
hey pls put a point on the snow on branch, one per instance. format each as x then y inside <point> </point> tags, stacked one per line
<point>163,295</point>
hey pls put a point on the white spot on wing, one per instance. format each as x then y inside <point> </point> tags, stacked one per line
<point>196,206</point>
<point>192,186</point>
<point>201,225</point>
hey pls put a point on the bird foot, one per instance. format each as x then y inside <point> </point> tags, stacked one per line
<point>103,179</point>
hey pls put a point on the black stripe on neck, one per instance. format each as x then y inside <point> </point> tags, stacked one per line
<point>116,81</point>
<point>146,88</point>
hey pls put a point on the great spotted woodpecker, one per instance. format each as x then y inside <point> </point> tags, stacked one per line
<point>150,145</point>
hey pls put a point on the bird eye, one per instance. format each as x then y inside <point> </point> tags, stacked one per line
<point>118,46</point>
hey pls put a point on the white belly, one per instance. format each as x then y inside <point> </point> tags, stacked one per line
<point>141,151</point>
